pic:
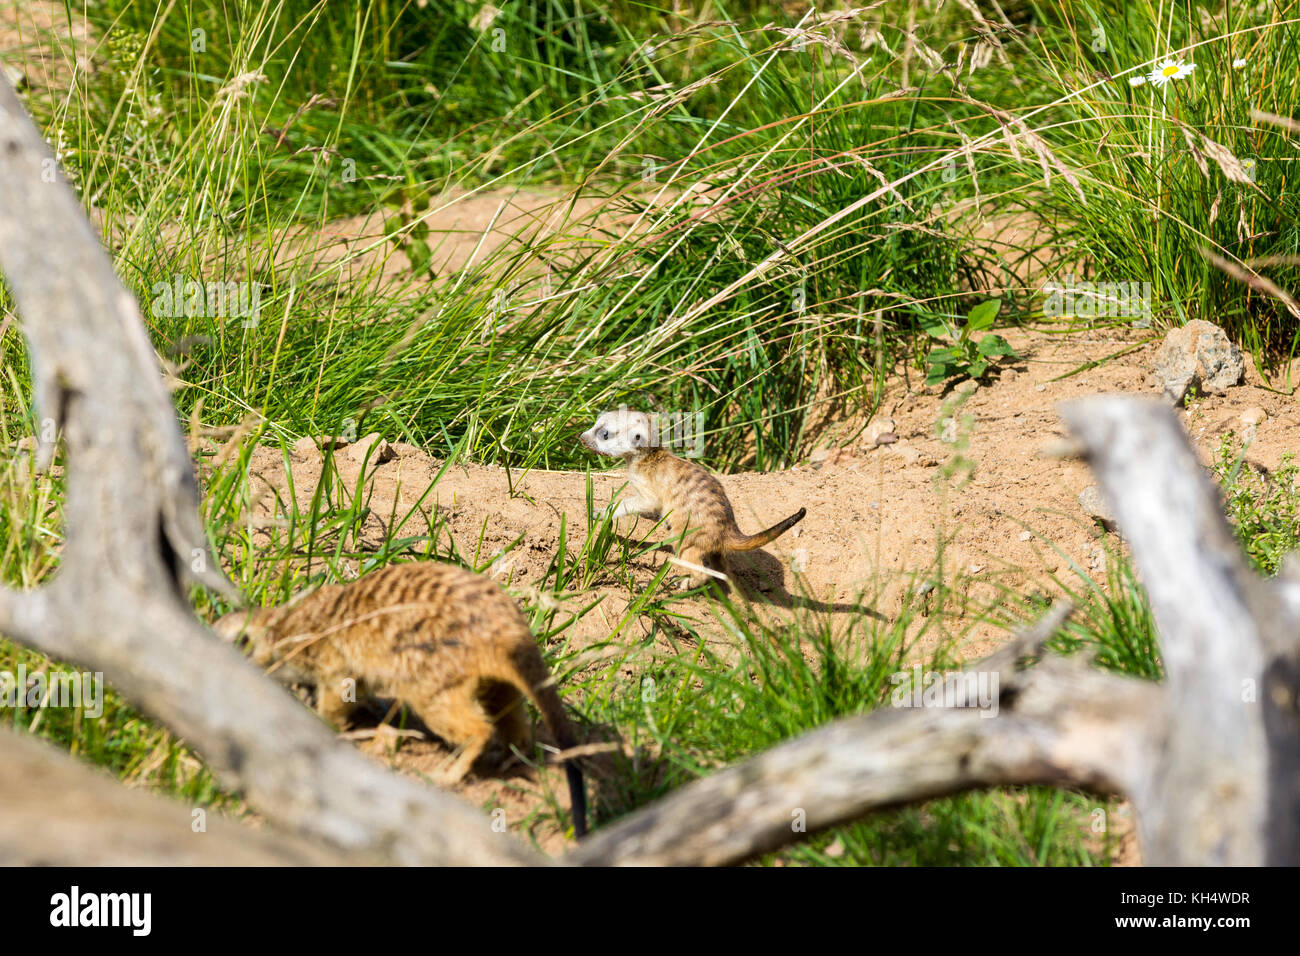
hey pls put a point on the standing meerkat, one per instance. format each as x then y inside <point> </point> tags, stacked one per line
<point>690,499</point>
<point>448,643</point>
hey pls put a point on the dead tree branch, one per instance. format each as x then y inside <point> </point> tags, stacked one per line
<point>59,812</point>
<point>1059,723</point>
<point>134,536</point>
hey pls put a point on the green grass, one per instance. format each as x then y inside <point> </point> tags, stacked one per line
<point>1263,507</point>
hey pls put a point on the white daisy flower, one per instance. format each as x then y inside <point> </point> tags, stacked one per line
<point>1239,63</point>
<point>1138,80</point>
<point>1170,69</point>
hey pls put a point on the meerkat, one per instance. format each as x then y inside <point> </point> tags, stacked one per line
<point>448,643</point>
<point>661,485</point>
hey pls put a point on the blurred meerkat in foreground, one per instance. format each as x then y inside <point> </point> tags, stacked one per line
<point>448,643</point>
<point>662,485</point>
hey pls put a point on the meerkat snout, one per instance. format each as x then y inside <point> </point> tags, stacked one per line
<point>229,627</point>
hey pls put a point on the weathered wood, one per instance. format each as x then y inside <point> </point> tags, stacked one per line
<point>59,812</point>
<point>1223,785</point>
<point>117,604</point>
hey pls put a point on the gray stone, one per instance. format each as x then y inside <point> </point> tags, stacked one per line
<point>1198,355</point>
<point>381,453</point>
<point>405,449</point>
<point>881,431</point>
<point>1095,507</point>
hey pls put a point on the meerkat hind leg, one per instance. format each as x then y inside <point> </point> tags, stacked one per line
<point>712,560</point>
<point>505,707</point>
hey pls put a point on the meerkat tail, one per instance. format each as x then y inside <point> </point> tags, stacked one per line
<point>748,542</point>
<point>535,682</point>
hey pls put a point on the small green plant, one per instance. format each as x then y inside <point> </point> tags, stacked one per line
<point>966,357</point>
<point>1264,509</point>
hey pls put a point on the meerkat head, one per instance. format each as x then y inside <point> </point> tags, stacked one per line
<point>241,628</point>
<point>620,434</point>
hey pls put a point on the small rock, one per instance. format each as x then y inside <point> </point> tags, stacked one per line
<point>1040,388</point>
<point>1254,416</point>
<point>305,447</point>
<point>1094,506</point>
<point>381,453</point>
<point>1198,355</point>
<point>799,560</point>
<point>403,449</point>
<point>835,850</point>
<point>881,431</point>
<point>827,456</point>
<point>904,451</point>
<point>948,431</point>
<point>1062,448</point>
<point>1008,375</point>
<point>1026,536</point>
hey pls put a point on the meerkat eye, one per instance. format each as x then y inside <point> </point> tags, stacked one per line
<point>603,434</point>
<point>638,439</point>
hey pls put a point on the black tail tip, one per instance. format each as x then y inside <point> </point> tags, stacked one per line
<point>577,800</point>
<point>798,515</point>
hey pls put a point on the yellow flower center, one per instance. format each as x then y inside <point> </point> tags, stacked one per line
<point>1170,71</point>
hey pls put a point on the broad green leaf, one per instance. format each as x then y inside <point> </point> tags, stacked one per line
<point>982,316</point>
<point>995,345</point>
<point>936,327</point>
<point>937,375</point>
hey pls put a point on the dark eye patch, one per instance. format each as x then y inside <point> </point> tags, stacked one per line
<point>603,434</point>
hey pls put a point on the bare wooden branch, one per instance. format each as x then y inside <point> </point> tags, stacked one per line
<point>1224,786</point>
<point>116,604</point>
<point>58,812</point>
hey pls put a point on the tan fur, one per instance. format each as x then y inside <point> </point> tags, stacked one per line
<point>688,498</point>
<point>448,643</point>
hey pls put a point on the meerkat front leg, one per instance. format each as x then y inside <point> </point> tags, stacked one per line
<point>641,507</point>
<point>331,703</point>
